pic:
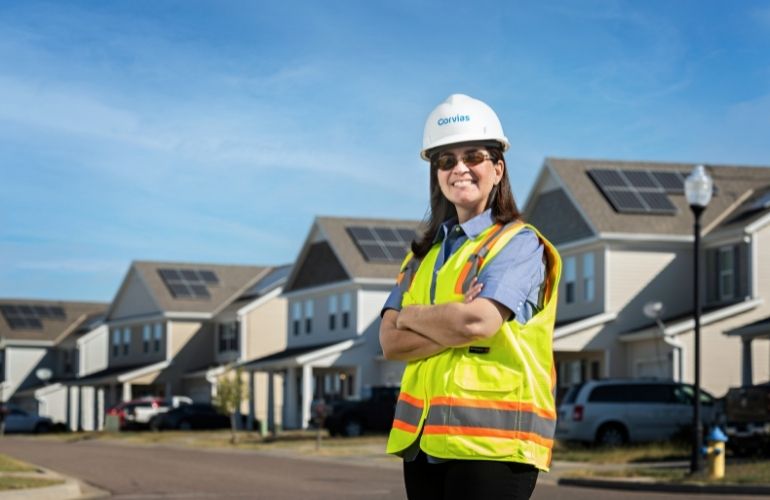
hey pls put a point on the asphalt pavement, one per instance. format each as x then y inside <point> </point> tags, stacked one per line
<point>120,470</point>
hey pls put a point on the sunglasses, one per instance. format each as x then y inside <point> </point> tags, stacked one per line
<point>447,161</point>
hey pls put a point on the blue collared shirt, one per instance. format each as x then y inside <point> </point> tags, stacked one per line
<point>513,278</point>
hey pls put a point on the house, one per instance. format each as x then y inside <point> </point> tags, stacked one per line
<point>169,330</point>
<point>38,353</point>
<point>625,234</point>
<point>337,287</point>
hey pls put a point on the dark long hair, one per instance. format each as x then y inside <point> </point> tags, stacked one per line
<point>501,201</point>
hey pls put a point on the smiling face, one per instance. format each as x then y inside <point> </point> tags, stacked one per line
<point>467,187</point>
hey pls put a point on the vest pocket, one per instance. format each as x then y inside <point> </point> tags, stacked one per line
<point>485,376</point>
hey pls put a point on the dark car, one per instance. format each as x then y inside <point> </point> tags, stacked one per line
<point>354,417</point>
<point>747,412</point>
<point>188,417</point>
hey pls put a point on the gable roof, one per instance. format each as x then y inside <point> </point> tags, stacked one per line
<point>77,315</point>
<point>734,184</point>
<point>233,280</point>
<point>335,247</point>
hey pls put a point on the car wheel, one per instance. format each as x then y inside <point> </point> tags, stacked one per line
<point>154,424</point>
<point>611,435</point>
<point>42,428</point>
<point>184,425</point>
<point>352,427</point>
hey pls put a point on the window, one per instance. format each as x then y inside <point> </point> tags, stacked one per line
<point>228,337</point>
<point>146,333</point>
<point>569,280</point>
<point>296,317</point>
<point>158,335</point>
<point>126,340</point>
<point>308,316</point>
<point>345,311</point>
<point>116,343</point>
<point>726,283</point>
<point>332,311</point>
<point>588,277</point>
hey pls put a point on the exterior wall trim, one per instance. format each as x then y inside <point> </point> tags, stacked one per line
<point>128,376</point>
<point>579,326</point>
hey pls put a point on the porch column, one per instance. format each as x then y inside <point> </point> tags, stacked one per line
<point>307,395</point>
<point>746,368</point>
<point>271,402</point>
<point>126,391</point>
<point>99,408</point>
<point>357,381</point>
<point>252,404</point>
<point>290,399</point>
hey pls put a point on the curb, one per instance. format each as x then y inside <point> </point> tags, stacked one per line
<point>637,485</point>
<point>70,489</point>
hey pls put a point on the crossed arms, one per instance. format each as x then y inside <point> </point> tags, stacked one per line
<point>421,331</point>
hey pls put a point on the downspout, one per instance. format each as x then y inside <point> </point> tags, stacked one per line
<point>678,349</point>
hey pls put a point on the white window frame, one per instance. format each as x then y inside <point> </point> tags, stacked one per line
<point>726,254</point>
<point>589,277</point>
<point>116,337</point>
<point>346,306</point>
<point>146,336</point>
<point>158,336</point>
<point>570,277</point>
<point>126,341</point>
<point>309,316</point>
<point>332,312</point>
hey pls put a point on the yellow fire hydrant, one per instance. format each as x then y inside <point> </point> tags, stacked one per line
<point>715,453</point>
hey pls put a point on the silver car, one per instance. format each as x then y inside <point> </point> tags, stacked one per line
<point>616,411</point>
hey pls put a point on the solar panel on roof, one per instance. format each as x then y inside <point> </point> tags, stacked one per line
<point>188,283</point>
<point>672,182</point>
<point>383,244</point>
<point>636,191</point>
<point>29,316</point>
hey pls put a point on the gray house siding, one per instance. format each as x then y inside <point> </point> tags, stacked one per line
<point>557,218</point>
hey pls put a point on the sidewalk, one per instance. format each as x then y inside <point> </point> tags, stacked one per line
<point>69,488</point>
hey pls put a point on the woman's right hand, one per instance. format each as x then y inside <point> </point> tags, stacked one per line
<point>473,291</point>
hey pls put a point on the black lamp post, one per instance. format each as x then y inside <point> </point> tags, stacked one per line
<point>698,188</point>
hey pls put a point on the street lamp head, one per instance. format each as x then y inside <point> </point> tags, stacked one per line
<point>698,187</point>
<point>653,310</point>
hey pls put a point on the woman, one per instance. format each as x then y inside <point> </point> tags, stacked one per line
<point>473,316</point>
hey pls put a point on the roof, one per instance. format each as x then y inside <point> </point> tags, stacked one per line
<point>341,246</point>
<point>232,281</point>
<point>77,317</point>
<point>734,185</point>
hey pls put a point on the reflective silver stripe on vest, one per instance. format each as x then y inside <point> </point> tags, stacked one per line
<point>408,413</point>
<point>507,420</point>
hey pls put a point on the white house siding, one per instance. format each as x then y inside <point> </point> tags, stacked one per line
<point>93,351</point>
<point>88,409</point>
<point>642,276</point>
<point>651,358</point>
<point>21,363</point>
<point>266,329</point>
<point>320,332</point>
<point>136,354</point>
<point>134,300</point>
<point>581,307</point>
<point>52,402</point>
<point>189,345</point>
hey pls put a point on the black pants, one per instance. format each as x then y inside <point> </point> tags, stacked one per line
<point>468,479</point>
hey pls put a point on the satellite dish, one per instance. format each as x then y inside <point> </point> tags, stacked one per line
<point>44,374</point>
<point>653,310</point>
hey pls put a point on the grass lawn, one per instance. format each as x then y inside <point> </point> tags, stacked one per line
<point>20,483</point>
<point>756,472</point>
<point>8,464</point>
<point>648,452</point>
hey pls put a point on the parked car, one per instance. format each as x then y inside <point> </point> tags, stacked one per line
<point>137,413</point>
<point>617,411</point>
<point>354,417</point>
<point>18,420</point>
<point>191,416</point>
<point>747,415</point>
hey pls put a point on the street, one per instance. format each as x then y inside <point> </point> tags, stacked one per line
<point>162,472</point>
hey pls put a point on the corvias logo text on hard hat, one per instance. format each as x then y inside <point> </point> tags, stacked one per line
<point>453,119</point>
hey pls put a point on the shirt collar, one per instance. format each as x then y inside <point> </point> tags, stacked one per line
<point>472,227</point>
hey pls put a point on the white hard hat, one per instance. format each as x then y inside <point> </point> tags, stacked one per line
<point>461,119</point>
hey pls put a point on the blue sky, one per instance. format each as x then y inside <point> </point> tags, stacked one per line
<point>216,131</point>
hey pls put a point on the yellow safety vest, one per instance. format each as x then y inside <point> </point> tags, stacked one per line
<point>493,399</point>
